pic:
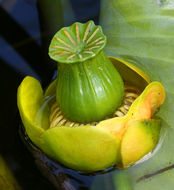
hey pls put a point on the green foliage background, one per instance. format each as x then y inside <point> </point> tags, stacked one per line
<point>142,32</point>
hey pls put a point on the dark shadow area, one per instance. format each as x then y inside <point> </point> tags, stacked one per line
<point>25,46</point>
<point>15,153</point>
<point>12,149</point>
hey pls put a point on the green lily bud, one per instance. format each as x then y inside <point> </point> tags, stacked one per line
<point>89,88</point>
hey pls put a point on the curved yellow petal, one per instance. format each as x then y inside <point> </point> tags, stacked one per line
<point>139,139</point>
<point>84,148</point>
<point>30,101</point>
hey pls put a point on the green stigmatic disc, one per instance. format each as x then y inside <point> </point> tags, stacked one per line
<point>89,88</point>
<point>77,43</point>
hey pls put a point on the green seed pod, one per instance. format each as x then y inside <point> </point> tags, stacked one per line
<point>89,88</point>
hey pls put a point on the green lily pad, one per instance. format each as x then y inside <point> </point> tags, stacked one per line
<point>141,32</point>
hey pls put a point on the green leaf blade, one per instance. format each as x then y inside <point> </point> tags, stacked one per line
<point>142,33</point>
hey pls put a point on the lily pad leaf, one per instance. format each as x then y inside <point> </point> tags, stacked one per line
<point>142,33</point>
